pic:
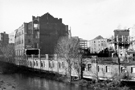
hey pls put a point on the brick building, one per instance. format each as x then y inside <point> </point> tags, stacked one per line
<point>4,39</point>
<point>46,32</point>
<point>42,33</point>
<point>21,39</point>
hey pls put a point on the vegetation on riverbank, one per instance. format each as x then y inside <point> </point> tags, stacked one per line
<point>102,85</point>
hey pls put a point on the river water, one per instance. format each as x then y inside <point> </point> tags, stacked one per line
<point>28,81</point>
<point>24,82</point>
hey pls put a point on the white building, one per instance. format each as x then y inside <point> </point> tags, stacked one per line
<point>83,43</point>
<point>12,37</point>
<point>98,44</point>
<point>132,43</point>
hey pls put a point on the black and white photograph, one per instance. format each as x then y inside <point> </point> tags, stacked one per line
<point>67,44</point>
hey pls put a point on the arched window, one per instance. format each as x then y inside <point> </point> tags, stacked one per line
<point>41,64</point>
<point>30,63</point>
<point>36,63</point>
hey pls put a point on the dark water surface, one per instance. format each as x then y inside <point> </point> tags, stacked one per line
<point>23,82</point>
<point>28,81</point>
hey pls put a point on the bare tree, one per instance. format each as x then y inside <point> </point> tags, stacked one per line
<point>67,48</point>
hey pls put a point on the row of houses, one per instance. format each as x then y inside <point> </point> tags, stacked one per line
<point>43,32</point>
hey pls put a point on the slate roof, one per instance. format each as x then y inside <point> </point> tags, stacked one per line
<point>99,37</point>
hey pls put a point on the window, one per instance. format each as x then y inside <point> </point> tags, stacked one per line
<point>122,69</point>
<point>49,64</point>
<point>52,64</point>
<point>98,68</point>
<point>132,69</point>
<point>37,35</point>
<point>41,64</point>
<point>44,64</point>
<point>89,67</point>
<point>36,26</point>
<point>31,64</point>
<point>108,69</point>
<point>36,63</point>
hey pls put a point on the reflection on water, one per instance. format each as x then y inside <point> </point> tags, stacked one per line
<point>23,82</point>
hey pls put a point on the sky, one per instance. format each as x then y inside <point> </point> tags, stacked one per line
<point>86,18</point>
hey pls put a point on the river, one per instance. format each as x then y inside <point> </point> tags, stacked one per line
<point>28,81</point>
<point>24,82</point>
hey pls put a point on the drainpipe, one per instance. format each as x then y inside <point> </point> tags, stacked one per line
<point>96,69</point>
<point>119,64</point>
<point>33,61</point>
<point>81,68</point>
<point>39,56</point>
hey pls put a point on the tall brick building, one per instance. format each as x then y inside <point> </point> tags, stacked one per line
<point>46,32</point>
<point>42,33</point>
<point>21,39</point>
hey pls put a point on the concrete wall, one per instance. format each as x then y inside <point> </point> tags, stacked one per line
<point>105,71</point>
<point>131,71</point>
<point>56,65</point>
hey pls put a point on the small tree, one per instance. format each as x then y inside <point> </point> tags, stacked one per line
<point>67,48</point>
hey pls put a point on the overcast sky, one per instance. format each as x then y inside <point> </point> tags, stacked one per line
<point>87,18</point>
